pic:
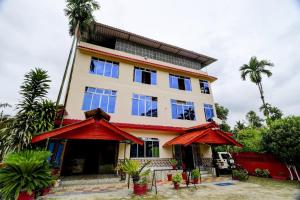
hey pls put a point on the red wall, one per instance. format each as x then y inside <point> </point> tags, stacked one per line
<point>250,161</point>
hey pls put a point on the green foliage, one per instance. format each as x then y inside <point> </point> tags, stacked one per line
<point>35,114</point>
<point>271,112</point>
<point>174,162</point>
<point>225,127</point>
<point>254,120</point>
<point>283,139</point>
<point>262,173</point>
<point>177,178</point>
<point>24,171</point>
<point>80,11</point>
<point>222,112</point>
<point>195,173</point>
<point>240,174</point>
<point>3,117</point>
<point>134,169</point>
<point>251,139</point>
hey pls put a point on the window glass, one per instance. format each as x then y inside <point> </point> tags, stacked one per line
<point>99,98</point>
<point>204,87</point>
<point>209,112</point>
<point>183,110</point>
<point>104,68</point>
<point>188,84</point>
<point>180,82</point>
<point>144,105</point>
<point>149,149</point>
<point>146,76</point>
<point>153,78</point>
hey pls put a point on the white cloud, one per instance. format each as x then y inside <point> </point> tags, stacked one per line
<point>35,34</point>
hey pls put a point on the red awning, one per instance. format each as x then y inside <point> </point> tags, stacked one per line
<point>89,129</point>
<point>208,133</point>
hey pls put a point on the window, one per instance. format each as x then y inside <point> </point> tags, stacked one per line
<point>149,149</point>
<point>183,110</point>
<point>204,87</point>
<point>99,98</point>
<point>209,112</point>
<point>144,105</point>
<point>146,76</point>
<point>180,82</point>
<point>104,68</point>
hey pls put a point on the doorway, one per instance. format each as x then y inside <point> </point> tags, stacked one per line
<point>83,157</point>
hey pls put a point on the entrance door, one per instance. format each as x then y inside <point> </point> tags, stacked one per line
<point>187,156</point>
<point>89,157</point>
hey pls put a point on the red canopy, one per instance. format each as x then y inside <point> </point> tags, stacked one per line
<point>89,129</point>
<point>208,133</point>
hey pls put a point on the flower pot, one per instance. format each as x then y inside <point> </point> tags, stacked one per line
<point>174,166</point>
<point>139,189</point>
<point>195,180</point>
<point>26,196</point>
<point>45,191</point>
<point>184,176</point>
<point>176,186</point>
<point>169,177</point>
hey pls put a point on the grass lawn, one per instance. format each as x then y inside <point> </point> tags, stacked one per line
<point>267,182</point>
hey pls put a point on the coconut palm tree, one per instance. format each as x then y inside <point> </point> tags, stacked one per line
<point>80,16</point>
<point>255,69</point>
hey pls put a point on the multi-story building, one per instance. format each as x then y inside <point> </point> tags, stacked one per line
<point>152,91</point>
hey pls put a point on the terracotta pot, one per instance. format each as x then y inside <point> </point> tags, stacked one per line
<point>195,180</point>
<point>169,177</point>
<point>26,196</point>
<point>139,189</point>
<point>184,176</point>
<point>45,191</point>
<point>176,186</point>
<point>174,166</point>
<point>54,172</point>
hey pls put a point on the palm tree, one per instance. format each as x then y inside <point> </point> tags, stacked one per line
<point>3,117</point>
<point>255,69</point>
<point>80,16</point>
<point>253,119</point>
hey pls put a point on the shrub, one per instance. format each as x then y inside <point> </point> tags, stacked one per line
<point>174,162</point>
<point>25,171</point>
<point>240,174</point>
<point>177,178</point>
<point>262,173</point>
<point>195,173</point>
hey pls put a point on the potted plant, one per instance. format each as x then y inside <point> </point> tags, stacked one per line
<point>195,176</point>
<point>169,177</point>
<point>184,175</point>
<point>139,176</point>
<point>177,180</point>
<point>174,163</point>
<point>24,173</point>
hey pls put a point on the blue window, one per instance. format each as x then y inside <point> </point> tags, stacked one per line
<point>209,112</point>
<point>144,105</point>
<point>180,82</point>
<point>99,98</point>
<point>183,110</point>
<point>104,68</point>
<point>145,76</point>
<point>204,87</point>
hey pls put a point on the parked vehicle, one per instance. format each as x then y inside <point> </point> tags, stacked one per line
<point>225,161</point>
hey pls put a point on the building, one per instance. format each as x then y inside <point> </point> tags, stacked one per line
<point>158,101</point>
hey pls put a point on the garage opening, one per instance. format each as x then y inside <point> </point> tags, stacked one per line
<point>83,157</point>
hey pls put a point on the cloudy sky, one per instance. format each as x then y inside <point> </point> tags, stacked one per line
<point>34,33</point>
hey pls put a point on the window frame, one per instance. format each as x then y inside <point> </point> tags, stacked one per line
<point>183,105</point>
<point>205,85</point>
<point>179,79</point>
<point>152,75</point>
<point>147,99</point>
<point>100,93</point>
<point>138,147</point>
<point>106,63</point>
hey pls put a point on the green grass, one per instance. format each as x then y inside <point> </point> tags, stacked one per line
<point>268,182</point>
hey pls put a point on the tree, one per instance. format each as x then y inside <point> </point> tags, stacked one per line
<point>255,69</point>
<point>271,111</point>
<point>80,16</point>
<point>254,120</point>
<point>222,114</point>
<point>283,140</point>
<point>3,117</point>
<point>250,138</point>
<point>35,113</point>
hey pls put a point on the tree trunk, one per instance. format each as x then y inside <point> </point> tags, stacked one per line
<point>71,73</point>
<point>295,170</point>
<point>262,97</point>
<point>291,174</point>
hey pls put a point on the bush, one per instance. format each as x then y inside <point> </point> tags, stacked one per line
<point>262,173</point>
<point>177,178</point>
<point>25,171</point>
<point>195,173</point>
<point>251,139</point>
<point>240,174</point>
